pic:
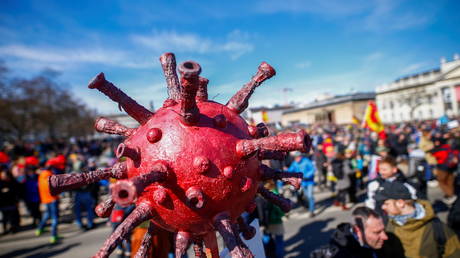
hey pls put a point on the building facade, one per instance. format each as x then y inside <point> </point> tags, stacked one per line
<point>422,96</point>
<point>338,110</point>
<point>269,116</point>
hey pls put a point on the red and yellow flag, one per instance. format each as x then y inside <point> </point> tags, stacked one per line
<point>355,120</point>
<point>264,116</point>
<point>372,119</point>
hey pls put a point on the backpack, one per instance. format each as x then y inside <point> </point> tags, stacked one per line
<point>453,219</point>
<point>439,236</point>
<point>337,168</point>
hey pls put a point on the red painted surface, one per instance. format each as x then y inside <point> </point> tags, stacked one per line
<point>181,147</point>
<point>193,166</point>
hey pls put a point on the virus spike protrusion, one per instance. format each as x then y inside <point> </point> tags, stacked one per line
<point>202,93</point>
<point>282,142</point>
<point>239,102</point>
<point>198,248</point>
<point>104,209</point>
<point>141,213</point>
<point>125,192</point>
<point>279,201</point>
<point>246,230</point>
<point>277,155</point>
<point>220,121</point>
<point>105,125</point>
<point>195,197</point>
<point>154,135</point>
<point>160,196</point>
<point>144,249</point>
<point>125,151</point>
<point>66,182</point>
<point>189,72</point>
<point>231,236</point>
<point>182,243</point>
<point>168,63</point>
<point>262,130</point>
<point>136,111</point>
<point>292,178</point>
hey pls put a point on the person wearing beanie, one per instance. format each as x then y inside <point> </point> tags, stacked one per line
<point>414,222</point>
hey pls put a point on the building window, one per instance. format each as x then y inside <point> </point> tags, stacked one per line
<point>446,95</point>
<point>391,104</point>
<point>431,113</point>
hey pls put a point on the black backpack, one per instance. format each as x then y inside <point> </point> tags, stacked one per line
<point>337,168</point>
<point>453,219</point>
<point>439,236</point>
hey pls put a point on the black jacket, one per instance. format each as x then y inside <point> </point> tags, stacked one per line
<point>343,244</point>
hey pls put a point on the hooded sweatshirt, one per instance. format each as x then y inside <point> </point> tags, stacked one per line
<point>417,235</point>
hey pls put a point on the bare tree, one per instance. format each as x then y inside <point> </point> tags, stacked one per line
<point>414,99</point>
<point>40,107</point>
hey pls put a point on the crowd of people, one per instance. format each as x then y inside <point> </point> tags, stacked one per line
<point>384,177</point>
<point>25,169</point>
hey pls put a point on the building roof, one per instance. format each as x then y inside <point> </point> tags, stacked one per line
<point>275,108</point>
<point>424,73</point>
<point>336,100</point>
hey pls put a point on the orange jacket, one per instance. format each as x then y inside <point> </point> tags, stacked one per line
<point>44,187</point>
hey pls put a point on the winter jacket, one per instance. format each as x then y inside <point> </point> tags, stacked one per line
<point>320,159</point>
<point>375,184</point>
<point>343,182</point>
<point>343,244</point>
<point>44,187</point>
<point>9,194</point>
<point>446,158</point>
<point>417,235</point>
<point>306,167</point>
<point>427,145</point>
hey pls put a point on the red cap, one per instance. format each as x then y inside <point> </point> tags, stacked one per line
<point>4,158</point>
<point>57,162</point>
<point>32,161</point>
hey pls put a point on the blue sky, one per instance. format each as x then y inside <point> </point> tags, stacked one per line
<point>316,46</point>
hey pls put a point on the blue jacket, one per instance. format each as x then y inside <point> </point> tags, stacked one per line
<point>306,167</point>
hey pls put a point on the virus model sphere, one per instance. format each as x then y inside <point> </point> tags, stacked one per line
<point>192,167</point>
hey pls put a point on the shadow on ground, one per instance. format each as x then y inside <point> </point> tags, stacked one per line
<point>45,251</point>
<point>308,238</point>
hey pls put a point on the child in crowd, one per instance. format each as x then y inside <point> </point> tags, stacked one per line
<point>388,172</point>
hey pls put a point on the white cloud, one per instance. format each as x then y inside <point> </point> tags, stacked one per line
<point>188,42</point>
<point>387,16</point>
<point>64,57</point>
<point>414,67</point>
<point>373,15</point>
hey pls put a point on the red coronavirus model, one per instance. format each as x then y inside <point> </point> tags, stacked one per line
<point>192,167</point>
